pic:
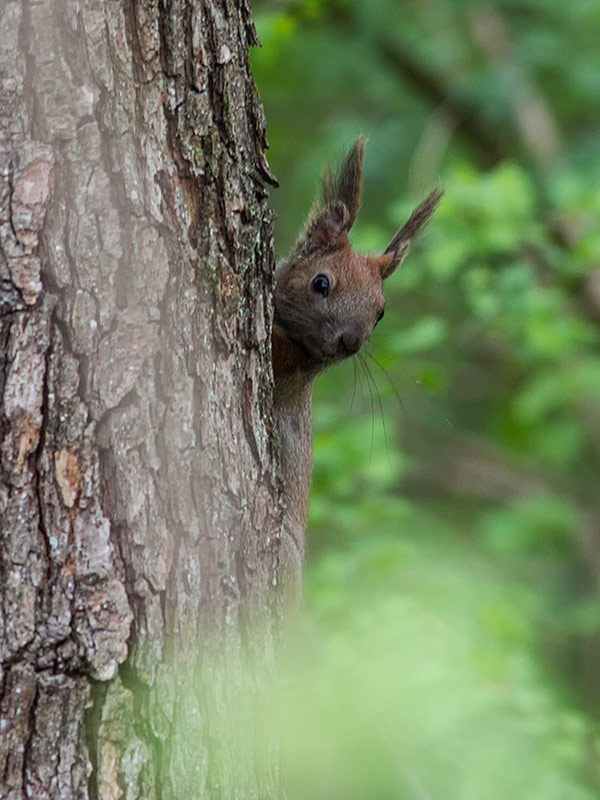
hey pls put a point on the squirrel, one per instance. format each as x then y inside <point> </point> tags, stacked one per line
<point>327,301</point>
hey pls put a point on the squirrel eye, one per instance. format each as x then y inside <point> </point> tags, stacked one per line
<point>381,313</point>
<point>320,284</point>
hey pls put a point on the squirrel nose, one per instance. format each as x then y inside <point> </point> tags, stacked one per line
<point>349,343</point>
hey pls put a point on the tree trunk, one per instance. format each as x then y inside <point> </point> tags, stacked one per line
<point>139,500</point>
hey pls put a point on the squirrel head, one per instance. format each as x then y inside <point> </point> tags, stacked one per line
<point>328,298</point>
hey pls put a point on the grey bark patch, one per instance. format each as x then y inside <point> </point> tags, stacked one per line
<point>121,356</point>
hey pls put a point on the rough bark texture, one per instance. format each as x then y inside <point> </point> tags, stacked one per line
<point>139,504</point>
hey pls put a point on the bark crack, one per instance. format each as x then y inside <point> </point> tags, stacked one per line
<point>44,590</point>
<point>28,744</point>
<point>92,722</point>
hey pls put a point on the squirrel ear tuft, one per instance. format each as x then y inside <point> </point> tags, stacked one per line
<point>344,185</point>
<point>336,208</point>
<point>398,248</point>
<point>326,229</point>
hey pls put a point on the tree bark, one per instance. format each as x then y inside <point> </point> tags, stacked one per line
<point>139,501</point>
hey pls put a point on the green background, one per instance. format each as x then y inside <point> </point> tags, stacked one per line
<point>451,641</point>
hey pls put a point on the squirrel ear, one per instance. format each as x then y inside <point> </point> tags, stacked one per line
<point>344,185</point>
<point>398,248</point>
<point>336,209</point>
<point>327,229</point>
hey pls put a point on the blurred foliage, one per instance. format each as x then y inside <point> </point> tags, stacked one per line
<point>453,641</point>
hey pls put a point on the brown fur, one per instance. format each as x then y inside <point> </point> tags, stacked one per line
<point>312,331</point>
<point>411,228</point>
<point>346,184</point>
